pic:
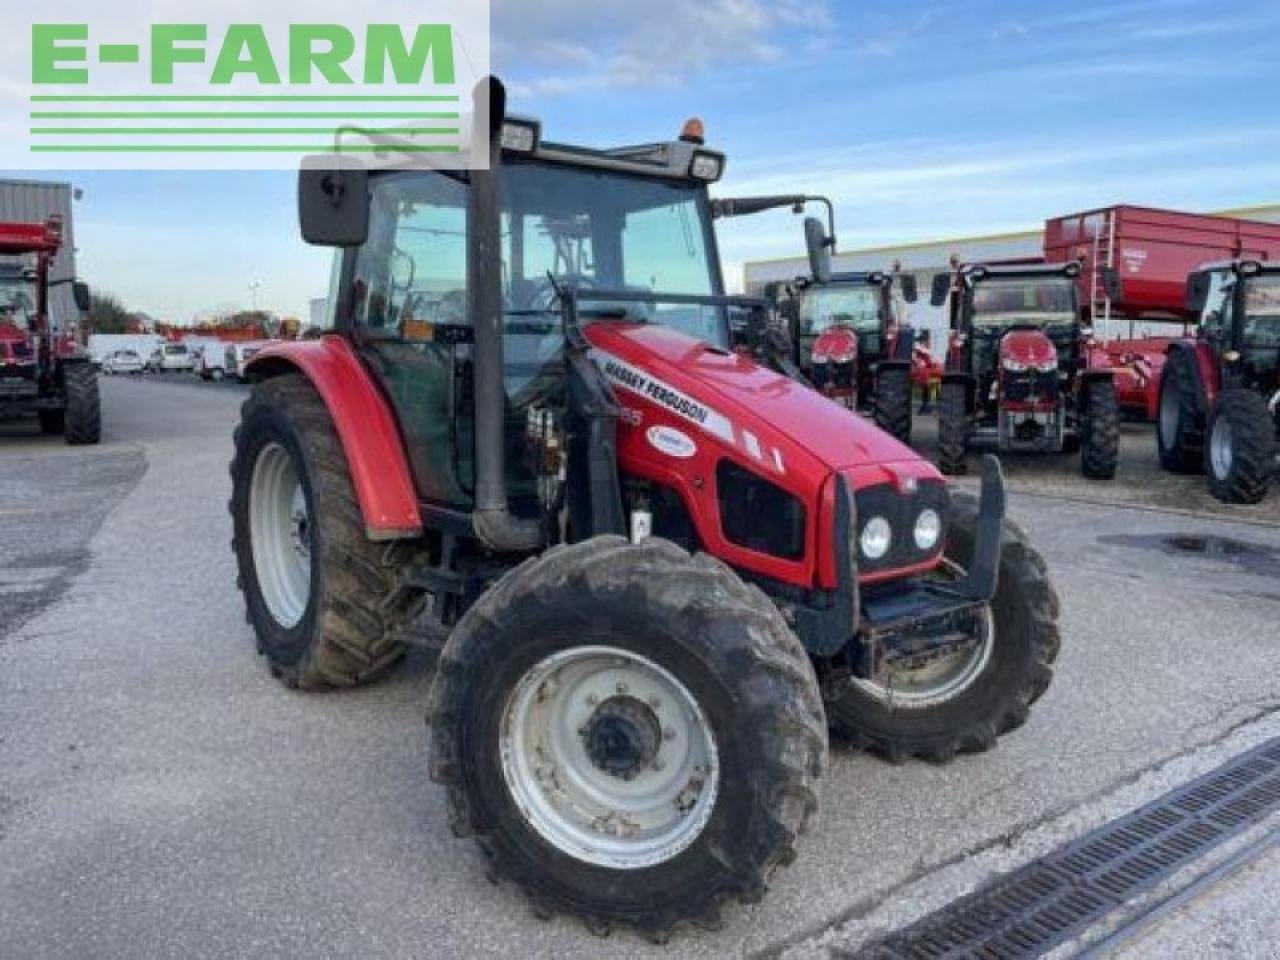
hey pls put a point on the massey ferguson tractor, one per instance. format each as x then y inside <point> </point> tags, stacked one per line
<point>1220,392</point>
<point>1017,375</point>
<point>663,568</point>
<point>41,372</point>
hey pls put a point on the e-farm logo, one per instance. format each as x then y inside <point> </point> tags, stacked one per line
<point>247,90</point>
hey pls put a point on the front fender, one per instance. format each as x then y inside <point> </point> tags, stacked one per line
<point>1204,371</point>
<point>365,424</point>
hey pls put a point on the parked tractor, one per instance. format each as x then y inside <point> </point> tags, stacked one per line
<point>1220,392</point>
<point>1018,376</point>
<point>42,372</point>
<point>663,569</point>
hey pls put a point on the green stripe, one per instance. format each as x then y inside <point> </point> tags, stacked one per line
<point>274,115</point>
<point>238,131</point>
<point>237,148</point>
<point>242,99</point>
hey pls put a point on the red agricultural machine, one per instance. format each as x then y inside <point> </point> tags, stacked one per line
<point>1213,393</point>
<point>1018,376</point>
<point>663,568</point>
<point>41,373</point>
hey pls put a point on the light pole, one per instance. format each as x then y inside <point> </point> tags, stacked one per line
<point>253,291</point>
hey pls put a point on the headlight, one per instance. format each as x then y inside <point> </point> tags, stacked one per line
<point>706,166</point>
<point>928,529</point>
<point>1015,366</point>
<point>876,538</point>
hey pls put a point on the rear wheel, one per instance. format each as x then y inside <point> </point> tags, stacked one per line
<point>1100,430</point>
<point>1179,423</point>
<point>1240,454</point>
<point>632,733</point>
<point>963,701</point>
<point>83,415</point>
<point>953,429</point>
<point>893,402</point>
<point>327,604</point>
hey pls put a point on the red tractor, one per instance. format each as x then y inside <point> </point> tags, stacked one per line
<point>41,373</point>
<point>1018,375</point>
<point>662,567</point>
<point>1219,409</point>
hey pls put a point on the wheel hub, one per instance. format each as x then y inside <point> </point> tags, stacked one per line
<point>623,737</point>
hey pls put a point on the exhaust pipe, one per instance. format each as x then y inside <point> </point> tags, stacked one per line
<point>492,520</point>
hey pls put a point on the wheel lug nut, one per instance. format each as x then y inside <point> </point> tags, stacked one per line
<point>658,763</point>
<point>592,700</point>
<point>655,703</point>
<point>668,733</point>
<point>621,688</point>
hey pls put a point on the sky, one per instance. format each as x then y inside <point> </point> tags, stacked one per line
<point>921,120</point>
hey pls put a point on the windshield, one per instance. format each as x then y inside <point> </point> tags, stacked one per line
<point>1262,311</point>
<point>849,306</point>
<point>18,297</point>
<point>608,231</point>
<point>1000,303</point>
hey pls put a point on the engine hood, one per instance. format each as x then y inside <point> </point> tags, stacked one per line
<point>11,333</point>
<point>741,403</point>
<point>1029,347</point>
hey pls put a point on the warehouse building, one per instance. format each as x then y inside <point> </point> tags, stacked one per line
<point>928,258</point>
<point>34,201</point>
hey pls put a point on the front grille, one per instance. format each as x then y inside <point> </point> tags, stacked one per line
<point>901,512</point>
<point>1030,386</point>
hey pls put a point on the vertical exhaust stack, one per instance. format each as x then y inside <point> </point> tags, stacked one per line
<point>492,520</point>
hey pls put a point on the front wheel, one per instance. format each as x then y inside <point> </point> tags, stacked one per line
<point>962,701</point>
<point>327,604</point>
<point>633,734</point>
<point>953,429</point>
<point>1240,454</point>
<point>893,402</point>
<point>83,415</point>
<point>1099,430</point>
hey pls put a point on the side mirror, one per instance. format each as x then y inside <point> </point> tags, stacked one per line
<point>907,282</point>
<point>819,246</point>
<point>1111,283</point>
<point>80,292</point>
<point>333,203</point>
<point>1198,286</point>
<point>941,288</point>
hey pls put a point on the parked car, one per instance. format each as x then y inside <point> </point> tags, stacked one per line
<point>238,356</point>
<point>172,358</point>
<point>211,362</point>
<point>123,361</point>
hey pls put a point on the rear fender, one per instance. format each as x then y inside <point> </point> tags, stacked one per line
<point>365,424</point>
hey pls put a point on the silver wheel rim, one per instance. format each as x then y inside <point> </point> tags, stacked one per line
<point>552,731</point>
<point>939,680</point>
<point>1220,452</point>
<point>280,534</point>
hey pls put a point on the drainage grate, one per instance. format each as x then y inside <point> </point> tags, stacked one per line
<point>1036,908</point>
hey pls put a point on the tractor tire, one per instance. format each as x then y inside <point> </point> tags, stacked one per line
<point>978,696</point>
<point>1179,422</point>
<point>327,604</point>
<point>82,418</point>
<point>1100,430</point>
<point>52,422</point>
<point>1239,456</point>
<point>893,402</point>
<point>953,429</point>
<point>697,737</point>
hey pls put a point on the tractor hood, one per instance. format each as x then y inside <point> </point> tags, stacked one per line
<point>743,405</point>
<point>1029,348</point>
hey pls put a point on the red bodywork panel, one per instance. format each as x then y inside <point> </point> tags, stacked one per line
<point>1153,251</point>
<point>688,406</point>
<point>1137,366</point>
<point>365,424</point>
<point>18,238</point>
<point>1033,349</point>
<point>837,345</point>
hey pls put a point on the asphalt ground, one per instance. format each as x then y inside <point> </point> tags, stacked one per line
<point>161,795</point>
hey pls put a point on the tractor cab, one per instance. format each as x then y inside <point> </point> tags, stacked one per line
<point>1239,307</point>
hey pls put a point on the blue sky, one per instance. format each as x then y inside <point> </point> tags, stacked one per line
<point>922,120</point>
